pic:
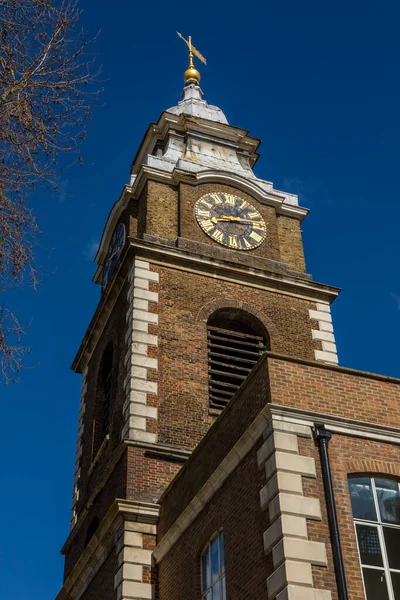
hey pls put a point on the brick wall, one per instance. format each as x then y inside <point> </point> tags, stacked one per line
<point>291,244</point>
<point>306,386</point>
<point>114,488</point>
<point>226,431</point>
<point>182,337</point>
<point>168,212</point>
<point>102,585</point>
<point>236,509</point>
<point>336,391</point>
<point>113,331</point>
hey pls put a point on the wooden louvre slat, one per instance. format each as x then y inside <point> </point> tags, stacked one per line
<point>231,355</point>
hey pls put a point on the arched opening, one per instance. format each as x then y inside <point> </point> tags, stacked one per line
<point>91,530</point>
<point>104,391</point>
<point>236,340</point>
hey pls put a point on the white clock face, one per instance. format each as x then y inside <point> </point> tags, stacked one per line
<point>114,250</point>
<point>230,220</point>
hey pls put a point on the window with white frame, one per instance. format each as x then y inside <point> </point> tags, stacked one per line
<point>213,569</point>
<point>375,503</point>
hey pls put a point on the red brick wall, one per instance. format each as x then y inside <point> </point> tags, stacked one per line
<point>182,352</point>
<point>114,488</point>
<point>330,390</point>
<point>147,476</point>
<point>233,422</point>
<point>348,455</point>
<point>236,509</point>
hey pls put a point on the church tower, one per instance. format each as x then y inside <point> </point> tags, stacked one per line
<point>202,270</point>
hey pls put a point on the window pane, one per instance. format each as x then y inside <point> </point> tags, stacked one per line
<point>362,501</point>
<point>222,551</point>
<point>205,570</point>
<point>375,584</point>
<point>396,585</point>
<point>369,546</point>
<point>214,559</point>
<point>223,592</point>
<point>392,542</point>
<point>387,491</point>
<point>216,591</point>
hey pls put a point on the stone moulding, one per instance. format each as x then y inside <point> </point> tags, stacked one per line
<point>124,516</point>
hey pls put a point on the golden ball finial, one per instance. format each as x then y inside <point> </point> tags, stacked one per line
<point>191,74</point>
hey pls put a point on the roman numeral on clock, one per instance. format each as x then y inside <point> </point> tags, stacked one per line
<point>247,244</point>
<point>218,235</point>
<point>255,236</point>
<point>207,225</point>
<point>209,204</point>
<point>204,213</point>
<point>233,242</point>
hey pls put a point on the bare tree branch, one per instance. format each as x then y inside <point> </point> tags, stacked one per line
<point>48,87</point>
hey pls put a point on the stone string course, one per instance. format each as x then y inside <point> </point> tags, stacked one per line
<point>293,554</point>
<point>137,386</point>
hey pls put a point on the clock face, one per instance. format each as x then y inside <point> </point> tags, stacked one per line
<point>114,250</point>
<point>230,220</point>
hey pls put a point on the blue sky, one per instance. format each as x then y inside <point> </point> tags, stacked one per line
<point>319,84</point>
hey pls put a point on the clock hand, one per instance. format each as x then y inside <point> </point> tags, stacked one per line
<point>236,220</point>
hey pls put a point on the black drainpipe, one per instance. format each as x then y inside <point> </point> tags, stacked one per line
<point>322,437</point>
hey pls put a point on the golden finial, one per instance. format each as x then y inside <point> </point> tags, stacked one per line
<point>191,74</point>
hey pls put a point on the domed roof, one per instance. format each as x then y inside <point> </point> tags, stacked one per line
<point>193,104</point>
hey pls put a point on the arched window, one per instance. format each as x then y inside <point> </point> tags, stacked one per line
<point>213,569</point>
<point>375,503</point>
<point>104,391</point>
<point>236,340</point>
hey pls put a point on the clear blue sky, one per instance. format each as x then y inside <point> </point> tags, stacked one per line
<point>319,84</point>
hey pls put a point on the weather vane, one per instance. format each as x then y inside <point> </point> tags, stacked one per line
<point>192,75</point>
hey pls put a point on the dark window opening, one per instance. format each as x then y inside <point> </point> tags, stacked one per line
<point>91,530</point>
<point>236,340</point>
<point>104,393</point>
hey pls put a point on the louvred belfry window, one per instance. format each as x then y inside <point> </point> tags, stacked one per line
<point>104,393</point>
<point>235,343</point>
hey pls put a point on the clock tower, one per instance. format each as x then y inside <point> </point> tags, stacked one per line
<point>201,270</point>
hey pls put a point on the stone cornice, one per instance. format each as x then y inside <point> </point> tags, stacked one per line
<point>100,544</point>
<point>249,185</point>
<point>186,261</point>
<point>336,424</point>
<point>186,124</point>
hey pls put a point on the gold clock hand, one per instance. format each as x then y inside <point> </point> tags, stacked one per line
<point>237,220</point>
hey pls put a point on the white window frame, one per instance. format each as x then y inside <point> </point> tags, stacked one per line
<point>221,573</point>
<point>378,524</point>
